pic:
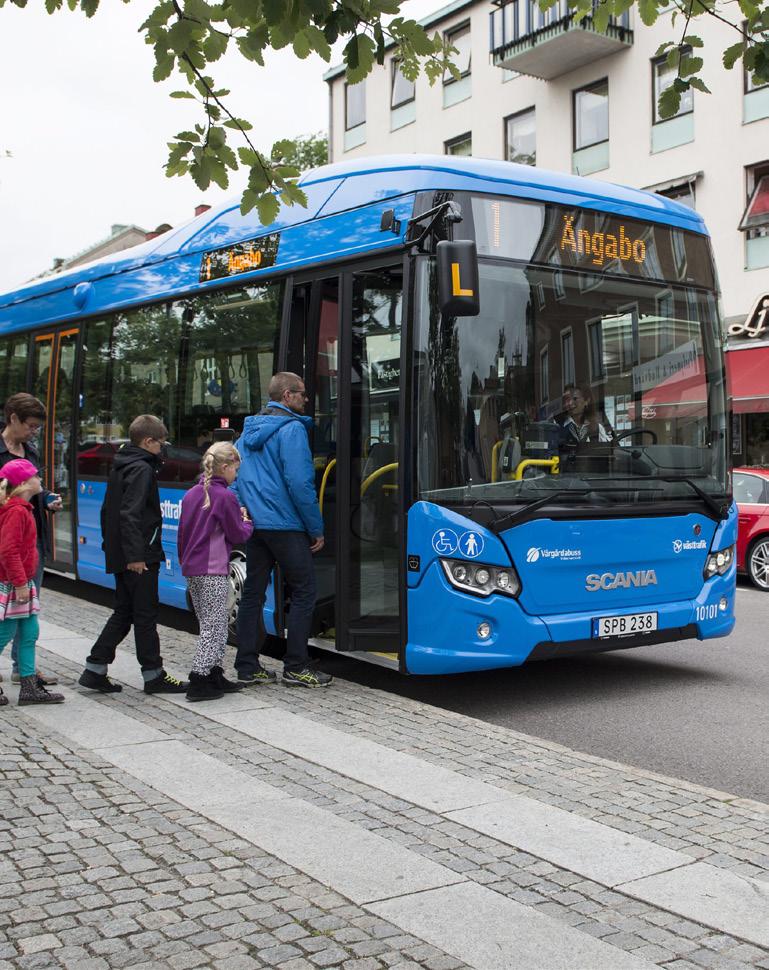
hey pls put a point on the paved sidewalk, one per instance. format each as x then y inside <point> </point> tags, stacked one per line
<point>348,828</point>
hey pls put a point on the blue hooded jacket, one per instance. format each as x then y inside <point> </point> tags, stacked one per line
<point>276,480</point>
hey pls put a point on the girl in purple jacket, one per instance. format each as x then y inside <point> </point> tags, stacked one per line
<point>211,523</point>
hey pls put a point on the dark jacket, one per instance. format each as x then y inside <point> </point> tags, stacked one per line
<point>131,520</point>
<point>276,480</point>
<point>39,502</point>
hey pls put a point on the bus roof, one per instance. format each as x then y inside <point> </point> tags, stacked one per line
<point>378,181</point>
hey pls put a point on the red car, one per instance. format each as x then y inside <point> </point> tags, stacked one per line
<point>751,493</point>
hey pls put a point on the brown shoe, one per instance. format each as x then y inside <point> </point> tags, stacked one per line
<point>48,680</point>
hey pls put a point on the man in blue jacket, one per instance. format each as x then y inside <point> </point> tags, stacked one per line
<point>276,483</point>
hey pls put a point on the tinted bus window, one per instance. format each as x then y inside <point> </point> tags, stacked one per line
<point>13,366</point>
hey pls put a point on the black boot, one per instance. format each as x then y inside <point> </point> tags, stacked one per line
<point>227,686</point>
<point>202,688</point>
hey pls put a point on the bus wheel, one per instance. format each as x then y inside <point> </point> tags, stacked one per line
<point>237,581</point>
<point>758,563</point>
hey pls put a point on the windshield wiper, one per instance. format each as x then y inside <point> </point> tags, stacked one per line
<point>504,523</point>
<point>721,511</point>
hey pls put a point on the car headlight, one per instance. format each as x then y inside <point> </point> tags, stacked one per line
<point>481,579</point>
<point>719,562</point>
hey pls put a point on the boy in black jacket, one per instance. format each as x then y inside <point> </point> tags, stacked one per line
<point>131,525</point>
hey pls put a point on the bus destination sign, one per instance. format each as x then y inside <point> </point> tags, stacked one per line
<point>241,258</point>
<point>601,247</point>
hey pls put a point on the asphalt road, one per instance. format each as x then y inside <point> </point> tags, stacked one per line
<point>691,710</point>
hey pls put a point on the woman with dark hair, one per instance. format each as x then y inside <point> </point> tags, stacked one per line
<point>581,423</point>
<point>24,416</point>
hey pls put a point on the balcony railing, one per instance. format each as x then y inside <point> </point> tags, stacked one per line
<point>548,43</point>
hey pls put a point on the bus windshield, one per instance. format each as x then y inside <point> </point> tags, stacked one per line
<point>606,390</point>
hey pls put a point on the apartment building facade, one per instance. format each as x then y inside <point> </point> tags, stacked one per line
<point>538,88</point>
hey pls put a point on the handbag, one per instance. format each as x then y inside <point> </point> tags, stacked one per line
<point>11,608</point>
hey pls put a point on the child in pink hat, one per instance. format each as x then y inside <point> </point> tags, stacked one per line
<point>19,604</point>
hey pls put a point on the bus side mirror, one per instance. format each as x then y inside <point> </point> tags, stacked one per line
<point>458,278</point>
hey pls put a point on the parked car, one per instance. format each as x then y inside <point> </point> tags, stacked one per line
<point>751,493</point>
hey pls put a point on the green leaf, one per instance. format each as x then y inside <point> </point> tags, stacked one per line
<point>215,45</point>
<point>690,65</point>
<point>182,94</point>
<point>248,201</point>
<point>293,195</point>
<point>89,7</point>
<point>301,45</point>
<point>699,84</point>
<point>669,102</point>
<point>163,67</point>
<point>248,157</point>
<point>732,54</point>
<point>268,207</point>
<point>663,47</point>
<point>648,11</point>
<point>692,40</point>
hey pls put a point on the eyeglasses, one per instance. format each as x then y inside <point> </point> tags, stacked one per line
<point>305,395</point>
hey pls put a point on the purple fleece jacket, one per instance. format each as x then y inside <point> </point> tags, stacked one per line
<point>206,536</point>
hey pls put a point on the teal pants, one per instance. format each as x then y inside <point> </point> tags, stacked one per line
<point>28,630</point>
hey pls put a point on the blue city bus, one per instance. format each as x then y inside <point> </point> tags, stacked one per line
<point>521,432</point>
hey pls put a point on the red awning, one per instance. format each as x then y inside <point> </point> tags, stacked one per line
<point>748,374</point>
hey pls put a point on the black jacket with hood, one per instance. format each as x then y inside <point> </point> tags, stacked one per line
<point>131,520</point>
<point>40,501</point>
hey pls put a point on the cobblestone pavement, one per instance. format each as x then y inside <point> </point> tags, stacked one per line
<point>98,870</point>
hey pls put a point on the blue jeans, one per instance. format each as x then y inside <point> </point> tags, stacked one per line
<point>291,551</point>
<point>38,585</point>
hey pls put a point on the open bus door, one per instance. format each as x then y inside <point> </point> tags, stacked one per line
<point>345,336</point>
<point>53,382</point>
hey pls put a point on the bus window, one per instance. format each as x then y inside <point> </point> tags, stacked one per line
<point>13,366</point>
<point>228,354</point>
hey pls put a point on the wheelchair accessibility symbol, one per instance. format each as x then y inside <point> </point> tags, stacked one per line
<point>445,542</point>
<point>471,544</point>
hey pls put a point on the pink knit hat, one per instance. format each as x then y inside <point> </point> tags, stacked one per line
<point>18,471</point>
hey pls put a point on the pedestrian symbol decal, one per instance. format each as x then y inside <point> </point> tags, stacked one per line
<point>471,544</point>
<point>445,542</point>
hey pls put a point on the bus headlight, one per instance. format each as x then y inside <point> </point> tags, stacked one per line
<point>719,562</point>
<point>480,579</point>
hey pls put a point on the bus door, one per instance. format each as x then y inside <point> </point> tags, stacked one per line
<point>352,367</point>
<point>53,382</point>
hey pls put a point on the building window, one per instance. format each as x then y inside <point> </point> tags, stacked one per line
<point>663,76</point>
<point>755,218</point>
<point>544,376</point>
<point>459,37</point>
<point>463,145</point>
<point>403,90</point>
<point>354,105</point>
<point>521,138</point>
<point>567,357</point>
<point>595,336</point>
<point>683,192</point>
<point>591,115</point>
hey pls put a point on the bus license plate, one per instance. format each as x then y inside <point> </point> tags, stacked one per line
<point>623,626</point>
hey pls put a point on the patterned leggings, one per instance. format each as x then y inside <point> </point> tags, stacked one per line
<point>209,599</point>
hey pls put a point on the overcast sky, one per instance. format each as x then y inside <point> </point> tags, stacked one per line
<point>87,128</point>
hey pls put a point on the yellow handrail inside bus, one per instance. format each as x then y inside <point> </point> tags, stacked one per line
<point>322,492</point>
<point>494,453</point>
<point>376,474</point>
<point>551,463</point>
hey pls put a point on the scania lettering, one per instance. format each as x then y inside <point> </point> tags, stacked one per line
<point>516,380</point>
<point>641,577</point>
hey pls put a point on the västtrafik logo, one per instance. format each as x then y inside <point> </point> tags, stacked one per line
<point>532,555</point>
<point>681,545</point>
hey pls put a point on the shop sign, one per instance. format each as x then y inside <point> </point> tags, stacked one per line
<point>756,324</point>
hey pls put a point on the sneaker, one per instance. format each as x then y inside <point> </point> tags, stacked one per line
<point>306,678</point>
<point>100,682</point>
<point>260,676</point>
<point>165,684</point>
<point>47,680</point>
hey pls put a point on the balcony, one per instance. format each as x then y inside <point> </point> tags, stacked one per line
<point>548,43</point>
